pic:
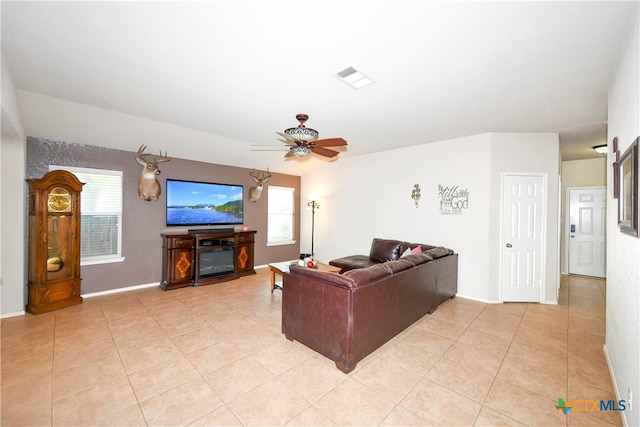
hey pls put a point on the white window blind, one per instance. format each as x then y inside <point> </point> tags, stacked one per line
<point>100,214</point>
<point>280,215</point>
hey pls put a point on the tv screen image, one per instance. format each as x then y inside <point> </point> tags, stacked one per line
<point>203,203</point>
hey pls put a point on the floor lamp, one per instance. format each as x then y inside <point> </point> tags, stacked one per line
<point>313,205</point>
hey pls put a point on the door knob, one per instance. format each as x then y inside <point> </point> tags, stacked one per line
<point>508,245</point>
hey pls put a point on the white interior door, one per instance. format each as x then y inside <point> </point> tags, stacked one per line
<point>587,231</point>
<point>523,237</point>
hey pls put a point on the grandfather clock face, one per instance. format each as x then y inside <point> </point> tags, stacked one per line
<point>59,200</point>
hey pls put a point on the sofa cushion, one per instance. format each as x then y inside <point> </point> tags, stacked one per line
<point>332,278</point>
<point>399,265</point>
<point>439,252</point>
<point>352,262</point>
<point>417,259</point>
<point>369,274</point>
<point>383,250</point>
<point>422,246</point>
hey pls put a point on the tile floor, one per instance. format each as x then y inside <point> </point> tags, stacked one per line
<point>214,355</point>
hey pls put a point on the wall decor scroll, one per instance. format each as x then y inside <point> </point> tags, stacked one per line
<point>628,190</point>
<point>453,199</point>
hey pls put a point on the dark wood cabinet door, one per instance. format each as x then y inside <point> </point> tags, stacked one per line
<point>244,252</point>
<point>244,258</point>
<point>181,265</point>
<point>177,261</point>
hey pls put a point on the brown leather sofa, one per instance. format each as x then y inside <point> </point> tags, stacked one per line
<point>347,316</point>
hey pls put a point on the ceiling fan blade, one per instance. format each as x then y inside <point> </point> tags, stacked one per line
<point>289,143</point>
<point>287,137</point>
<point>330,142</point>
<point>289,154</point>
<point>324,152</point>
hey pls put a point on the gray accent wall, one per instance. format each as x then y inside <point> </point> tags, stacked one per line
<point>143,221</point>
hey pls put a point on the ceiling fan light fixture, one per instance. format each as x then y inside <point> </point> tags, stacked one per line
<point>601,149</point>
<point>302,133</point>
<point>300,150</point>
<point>353,78</point>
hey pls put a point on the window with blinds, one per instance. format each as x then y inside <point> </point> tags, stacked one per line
<point>100,214</point>
<point>280,215</point>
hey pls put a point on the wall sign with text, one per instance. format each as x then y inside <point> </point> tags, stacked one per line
<point>452,199</point>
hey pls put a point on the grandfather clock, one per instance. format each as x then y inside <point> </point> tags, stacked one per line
<point>54,242</point>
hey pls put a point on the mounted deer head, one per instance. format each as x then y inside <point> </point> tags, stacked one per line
<point>260,178</point>
<point>149,187</point>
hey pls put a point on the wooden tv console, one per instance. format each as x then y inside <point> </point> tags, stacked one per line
<point>184,256</point>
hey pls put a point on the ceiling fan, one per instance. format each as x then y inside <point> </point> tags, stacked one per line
<point>302,141</point>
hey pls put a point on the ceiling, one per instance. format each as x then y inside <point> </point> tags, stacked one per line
<point>235,72</point>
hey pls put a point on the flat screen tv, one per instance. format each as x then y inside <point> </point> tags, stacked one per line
<point>203,203</point>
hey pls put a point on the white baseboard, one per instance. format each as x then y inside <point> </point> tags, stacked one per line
<point>116,291</point>
<point>615,384</point>
<point>486,301</point>
<point>16,314</point>
<point>133,288</point>
<point>492,301</point>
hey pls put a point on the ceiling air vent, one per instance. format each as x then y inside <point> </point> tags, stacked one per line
<point>353,78</point>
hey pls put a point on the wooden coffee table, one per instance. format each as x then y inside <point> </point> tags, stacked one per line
<point>283,267</point>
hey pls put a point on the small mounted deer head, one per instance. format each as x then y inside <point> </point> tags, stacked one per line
<point>149,187</point>
<point>260,178</point>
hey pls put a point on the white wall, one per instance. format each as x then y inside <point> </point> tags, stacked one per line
<point>370,196</point>
<point>527,152</point>
<point>12,186</point>
<point>623,251</point>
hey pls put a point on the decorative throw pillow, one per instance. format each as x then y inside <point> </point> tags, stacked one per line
<point>405,253</point>
<point>416,250</point>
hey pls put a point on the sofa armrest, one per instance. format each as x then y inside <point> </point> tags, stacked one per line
<point>447,277</point>
<point>316,311</point>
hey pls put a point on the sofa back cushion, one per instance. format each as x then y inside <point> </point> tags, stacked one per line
<point>422,246</point>
<point>340,280</point>
<point>399,265</point>
<point>383,250</point>
<point>417,259</point>
<point>439,252</point>
<point>365,275</point>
